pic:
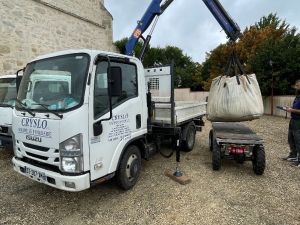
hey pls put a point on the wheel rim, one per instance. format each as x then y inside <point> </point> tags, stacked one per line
<point>132,167</point>
<point>190,138</point>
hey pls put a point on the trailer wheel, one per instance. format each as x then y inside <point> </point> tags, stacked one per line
<point>129,168</point>
<point>216,156</point>
<point>211,137</point>
<point>259,160</point>
<point>189,142</point>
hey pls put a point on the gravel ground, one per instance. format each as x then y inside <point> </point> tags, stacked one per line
<point>233,195</point>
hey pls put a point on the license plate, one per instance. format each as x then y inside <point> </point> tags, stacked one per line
<point>36,175</point>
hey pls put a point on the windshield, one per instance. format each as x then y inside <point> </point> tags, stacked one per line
<point>8,91</point>
<point>55,83</point>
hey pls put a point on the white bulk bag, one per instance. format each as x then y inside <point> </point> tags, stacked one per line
<point>229,101</point>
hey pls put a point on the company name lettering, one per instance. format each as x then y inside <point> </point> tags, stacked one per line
<point>34,123</point>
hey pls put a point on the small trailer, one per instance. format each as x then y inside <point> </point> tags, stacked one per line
<point>236,141</point>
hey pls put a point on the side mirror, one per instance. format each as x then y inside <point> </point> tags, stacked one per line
<point>19,78</point>
<point>116,81</point>
<point>18,82</point>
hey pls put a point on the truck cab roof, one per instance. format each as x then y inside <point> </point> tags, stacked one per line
<point>92,53</point>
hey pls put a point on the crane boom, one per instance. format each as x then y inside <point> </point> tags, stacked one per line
<point>230,27</point>
<point>157,7</point>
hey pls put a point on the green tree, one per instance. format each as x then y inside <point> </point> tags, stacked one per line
<point>187,72</point>
<point>284,54</point>
<point>270,39</point>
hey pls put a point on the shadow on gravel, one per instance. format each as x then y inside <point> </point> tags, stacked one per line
<point>232,166</point>
<point>6,153</point>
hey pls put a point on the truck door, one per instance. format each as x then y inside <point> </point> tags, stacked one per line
<point>125,123</point>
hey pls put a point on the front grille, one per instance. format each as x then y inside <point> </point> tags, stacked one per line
<point>39,153</point>
<point>37,156</point>
<point>41,165</point>
<point>36,147</point>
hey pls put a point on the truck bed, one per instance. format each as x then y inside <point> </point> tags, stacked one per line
<point>235,133</point>
<point>183,111</point>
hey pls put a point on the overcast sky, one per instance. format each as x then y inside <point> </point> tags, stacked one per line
<point>189,25</point>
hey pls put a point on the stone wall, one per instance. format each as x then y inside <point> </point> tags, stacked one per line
<point>29,28</point>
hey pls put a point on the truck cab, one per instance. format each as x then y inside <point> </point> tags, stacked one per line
<point>8,94</point>
<point>72,127</point>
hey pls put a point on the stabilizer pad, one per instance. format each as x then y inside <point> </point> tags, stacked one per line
<point>181,180</point>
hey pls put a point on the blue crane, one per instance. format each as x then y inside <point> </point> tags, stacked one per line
<point>157,8</point>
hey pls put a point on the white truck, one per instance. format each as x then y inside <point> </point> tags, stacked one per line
<point>8,94</point>
<point>94,118</point>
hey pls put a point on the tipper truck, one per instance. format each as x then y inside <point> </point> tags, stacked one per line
<point>85,116</point>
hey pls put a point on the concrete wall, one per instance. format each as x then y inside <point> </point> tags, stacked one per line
<point>185,94</point>
<point>29,28</point>
<point>278,101</point>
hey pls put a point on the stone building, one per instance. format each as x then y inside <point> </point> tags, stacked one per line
<point>29,28</point>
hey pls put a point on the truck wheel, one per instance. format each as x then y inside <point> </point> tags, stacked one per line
<point>189,142</point>
<point>129,168</point>
<point>211,137</point>
<point>216,156</point>
<point>259,160</point>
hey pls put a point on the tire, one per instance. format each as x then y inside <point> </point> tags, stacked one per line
<point>189,142</point>
<point>211,136</point>
<point>259,160</point>
<point>216,156</point>
<point>129,168</point>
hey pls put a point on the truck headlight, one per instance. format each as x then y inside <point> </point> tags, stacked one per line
<point>71,155</point>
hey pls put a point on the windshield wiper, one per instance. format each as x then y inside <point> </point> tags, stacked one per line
<point>6,105</point>
<point>49,110</point>
<point>24,107</point>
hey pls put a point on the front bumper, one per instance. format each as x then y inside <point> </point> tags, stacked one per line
<point>81,182</point>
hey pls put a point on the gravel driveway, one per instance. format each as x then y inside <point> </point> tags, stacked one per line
<point>233,195</point>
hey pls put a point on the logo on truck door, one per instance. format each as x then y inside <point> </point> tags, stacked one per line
<point>120,129</point>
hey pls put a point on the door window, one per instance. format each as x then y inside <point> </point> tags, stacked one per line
<point>129,86</point>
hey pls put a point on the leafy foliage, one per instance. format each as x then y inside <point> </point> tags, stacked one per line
<point>270,49</point>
